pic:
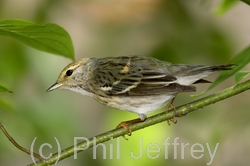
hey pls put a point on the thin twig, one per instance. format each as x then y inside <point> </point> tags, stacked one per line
<point>17,145</point>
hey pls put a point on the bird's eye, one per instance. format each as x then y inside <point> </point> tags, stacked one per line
<point>69,72</point>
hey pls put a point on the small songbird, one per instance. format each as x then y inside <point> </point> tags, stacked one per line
<point>137,84</point>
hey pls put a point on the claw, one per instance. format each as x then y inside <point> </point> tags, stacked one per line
<point>125,124</point>
<point>171,106</point>
<point>174,121</point>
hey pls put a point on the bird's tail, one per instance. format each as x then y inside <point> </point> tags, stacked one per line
<point>217,68</point>
<point>190,74</point>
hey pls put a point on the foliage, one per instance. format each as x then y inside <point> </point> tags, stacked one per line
<point>3,89</point>
<point>49,38</point>
<point>240,60</point>
<point>241,75</point>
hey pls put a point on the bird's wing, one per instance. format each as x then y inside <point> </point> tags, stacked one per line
<point>144,83</point>
<point>137,83</point>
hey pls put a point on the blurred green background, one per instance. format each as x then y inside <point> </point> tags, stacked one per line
<point>176,31</point>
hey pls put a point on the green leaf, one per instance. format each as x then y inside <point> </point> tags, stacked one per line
<point>241,75</point>
<point>241,60</point>
<point>246,1</point>
<point>49,38</point>
<point>225,6</point>
<point>3,89</point>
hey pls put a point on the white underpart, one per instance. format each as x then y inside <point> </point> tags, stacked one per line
<point>80,91</point>
<point>188,80</point>
<point>140,105</point>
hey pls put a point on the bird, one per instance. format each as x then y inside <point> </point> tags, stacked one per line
<point>138,84</point>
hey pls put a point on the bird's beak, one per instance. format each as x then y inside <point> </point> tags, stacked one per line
<point>54,86</point>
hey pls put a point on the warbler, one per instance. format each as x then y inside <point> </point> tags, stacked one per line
<point>138,84</point>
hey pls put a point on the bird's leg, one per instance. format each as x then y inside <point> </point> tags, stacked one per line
<point>125,124</point>
<point>171,106</point>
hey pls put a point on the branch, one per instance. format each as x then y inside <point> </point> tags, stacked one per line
<point>177,112</point>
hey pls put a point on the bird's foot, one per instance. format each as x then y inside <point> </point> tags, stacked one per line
<point>125,125</point>
<point>171,106</point>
